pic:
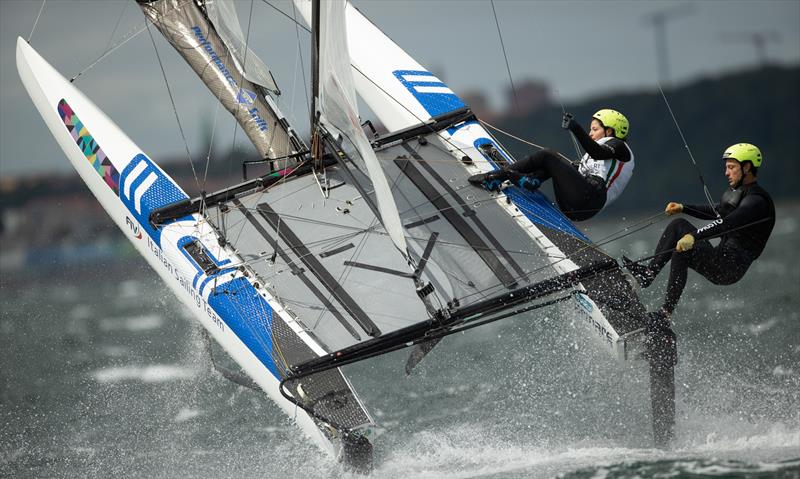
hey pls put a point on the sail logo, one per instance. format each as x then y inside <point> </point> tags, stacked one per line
<point>134,227</point>
<point>243,97</point>
<point>246,97</point>
<point>436,97</point>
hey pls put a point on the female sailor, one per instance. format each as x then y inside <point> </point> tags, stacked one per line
<point>582,189</point>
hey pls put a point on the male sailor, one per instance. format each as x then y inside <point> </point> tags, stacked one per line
<point>582,189</point>
<point>745,221</point>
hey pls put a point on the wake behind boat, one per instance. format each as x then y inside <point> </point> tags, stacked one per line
<point>350,247</point>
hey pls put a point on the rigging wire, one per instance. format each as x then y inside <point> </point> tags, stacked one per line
<point>174,108</point>
<point>521,140</point>
<point>133,33</point>
<point>297,24</point>
<point>241,78</point>
<point>503,47</point>
<point>211,142</point>
<point>36,22</point>
<point>671,250</point>
<point>116,25</point>
<point>388,95</point>
<point>587,246</point>
<point>691,157</point>
<point>572,137</point>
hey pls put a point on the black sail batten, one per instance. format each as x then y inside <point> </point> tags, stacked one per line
<point>297,271</point>
<point>317,269</point>
<point>422,331</point>
<point>483,250</point>
<point>467,210</point>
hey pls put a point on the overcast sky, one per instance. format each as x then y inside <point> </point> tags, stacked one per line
<point>581,48</point>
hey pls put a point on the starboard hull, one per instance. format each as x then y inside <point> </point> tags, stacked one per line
<point>403,94</point>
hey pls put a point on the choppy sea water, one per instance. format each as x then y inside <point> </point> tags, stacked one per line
<point>102,375</point>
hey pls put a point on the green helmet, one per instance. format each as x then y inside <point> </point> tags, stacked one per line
<point>613,119</point>
<point>742,152</point>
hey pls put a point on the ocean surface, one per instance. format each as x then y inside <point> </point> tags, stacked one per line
<point>102,374</point>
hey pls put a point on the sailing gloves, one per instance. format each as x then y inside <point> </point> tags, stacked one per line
<point>673,208</point>
<point>566,121</point>
<point>685,244</point>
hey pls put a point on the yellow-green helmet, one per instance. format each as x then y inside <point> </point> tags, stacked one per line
<point>613,119</point>
<point>742,152</point>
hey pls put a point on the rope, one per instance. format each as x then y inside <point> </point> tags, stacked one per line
<point>521,140</point>
<point>124,40</point>
<point>36,22</point>
<point>691,157</point>
<point>572,137</point>
<point>174,108</point>
<point>672,249</point>
<point>503,47</point>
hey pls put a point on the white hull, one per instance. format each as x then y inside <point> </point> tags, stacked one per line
<point>140,187</point>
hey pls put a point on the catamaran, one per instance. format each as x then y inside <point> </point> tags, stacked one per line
<point>353,244</point>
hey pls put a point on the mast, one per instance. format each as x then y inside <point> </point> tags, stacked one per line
<point>316,146</point>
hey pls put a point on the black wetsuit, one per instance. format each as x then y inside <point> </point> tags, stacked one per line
<point>747,217</point>
<point>579,197</point>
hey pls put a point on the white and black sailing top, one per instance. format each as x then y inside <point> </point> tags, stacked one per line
<point>608,158</point>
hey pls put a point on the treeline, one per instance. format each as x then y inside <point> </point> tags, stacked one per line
<point>757,106</point>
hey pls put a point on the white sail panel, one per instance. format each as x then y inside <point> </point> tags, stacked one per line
<point>339,113</point>
<point>222,14</point>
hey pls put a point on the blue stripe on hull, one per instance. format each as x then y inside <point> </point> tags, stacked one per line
<point>248,315</point>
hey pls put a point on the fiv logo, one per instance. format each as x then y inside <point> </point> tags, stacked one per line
<point>134,227</point>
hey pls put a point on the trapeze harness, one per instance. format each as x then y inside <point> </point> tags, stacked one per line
<point>615,173</point>
<point>583,190</point>
<point>747,216</point>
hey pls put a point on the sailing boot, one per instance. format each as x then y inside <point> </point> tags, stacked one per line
<point>660,341</point>
<point>643,274</point>
<point>530,183</point>
<point>492,180</point>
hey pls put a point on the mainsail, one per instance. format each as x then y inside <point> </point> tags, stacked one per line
<point>240,84</point>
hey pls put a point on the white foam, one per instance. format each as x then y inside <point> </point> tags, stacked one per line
<point>135,323</point>
<point>782,371</point>
<point>80,312</point>
<point>471,451</point>
<point>186,414</point>
<point>155,373</point>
